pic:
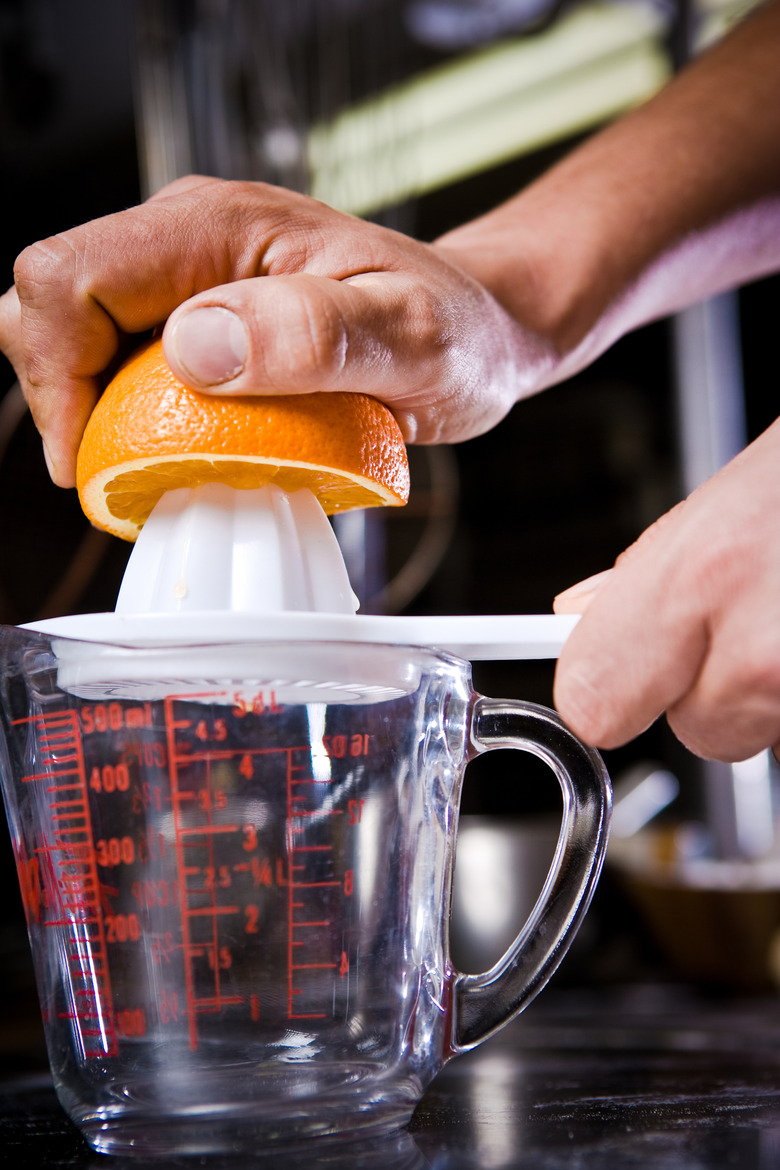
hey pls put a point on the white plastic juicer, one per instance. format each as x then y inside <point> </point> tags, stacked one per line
<point>220,565</point>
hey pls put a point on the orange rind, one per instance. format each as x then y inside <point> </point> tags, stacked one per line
<point>149,434</point>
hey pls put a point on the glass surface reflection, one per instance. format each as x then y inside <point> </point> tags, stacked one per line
<point>392,1152</point>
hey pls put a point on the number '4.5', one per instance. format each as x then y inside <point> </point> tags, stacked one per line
<point>217,731</point>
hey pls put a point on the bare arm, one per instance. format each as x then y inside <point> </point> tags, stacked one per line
<point>678,200</point>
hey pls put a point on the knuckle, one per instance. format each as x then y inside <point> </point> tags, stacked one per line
<point>756,674</point>
<point>44,269</point>
<point>281,231</point>
<point>291,240</point>
<point>183,185</point>
<point>432,325</point>
<point>312,340</point>
<point>724,565</point>
<point>325,338</point>
<point>225,195</point>
<point>44,284</point>
<point>242,189</point>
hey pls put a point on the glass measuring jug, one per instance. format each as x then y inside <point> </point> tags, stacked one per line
<point>236,864</point>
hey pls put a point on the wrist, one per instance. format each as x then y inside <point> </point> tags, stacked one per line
<point>553,278</point>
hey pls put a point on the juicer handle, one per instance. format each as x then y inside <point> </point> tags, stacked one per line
<point>485,1002</point>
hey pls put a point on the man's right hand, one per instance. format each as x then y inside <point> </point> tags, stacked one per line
<point>262,290</point>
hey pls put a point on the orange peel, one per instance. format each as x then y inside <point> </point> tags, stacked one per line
<point>149,434</point>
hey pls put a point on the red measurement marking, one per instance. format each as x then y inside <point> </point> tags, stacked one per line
<point>206,756</point>
<point>200,923</point>
<point>171,726</point>
<point>47,776</point>
<point>187,756</point>
<point>313,885</point>
<point>217,1002</point>
<point>296,872</point>
<point>192,831</point>
<point>207,911</point>
<point>72,868</point>
<point>318,812</point>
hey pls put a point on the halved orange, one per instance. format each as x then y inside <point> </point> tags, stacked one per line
<point>149,433</point>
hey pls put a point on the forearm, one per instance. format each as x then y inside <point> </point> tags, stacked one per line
<point>609,229</point>
<point>743,247</point>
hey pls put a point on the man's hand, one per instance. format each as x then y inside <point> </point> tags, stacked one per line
<point>687,622</point>
<point>263,291</point>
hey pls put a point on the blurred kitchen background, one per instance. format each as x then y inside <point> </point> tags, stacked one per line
<point>421,114</point>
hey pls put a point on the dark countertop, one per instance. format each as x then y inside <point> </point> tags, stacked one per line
<point>646,1076</point>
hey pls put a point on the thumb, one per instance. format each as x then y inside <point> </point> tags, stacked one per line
<point>206,346</point>
<point>302,333</point>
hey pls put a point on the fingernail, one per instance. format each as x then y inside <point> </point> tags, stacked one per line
<point>210,345</point>
<point>52,470</point>
<point>571,600</point>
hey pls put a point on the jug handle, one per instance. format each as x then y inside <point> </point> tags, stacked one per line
<point>485,1002</point>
